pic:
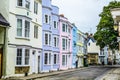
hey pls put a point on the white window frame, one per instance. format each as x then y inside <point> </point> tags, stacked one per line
<point>24,33</point>
<point>24,2</point>
<point>56,61</point>
<point>49,58</point>
<point>66,27</point>
<point>65,61</point>
<point>48,40</point>
<point>36,31</point>
<point>35,7</point>
<point>55,24</point>
<point>47,19</point>
<point>66,43</point>
<point>23,57</point>
<point>56,44</point>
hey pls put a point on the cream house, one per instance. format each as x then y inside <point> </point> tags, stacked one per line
<point>93,51</point>
<point>24,37</point>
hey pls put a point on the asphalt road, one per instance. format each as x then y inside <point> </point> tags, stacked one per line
<point>84,74</point>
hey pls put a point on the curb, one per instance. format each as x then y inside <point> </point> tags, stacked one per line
<point>49,74</point>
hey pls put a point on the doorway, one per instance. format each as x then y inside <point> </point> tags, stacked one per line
<point>1,58</point>
<point>33,62</point>
<point>38,64</point>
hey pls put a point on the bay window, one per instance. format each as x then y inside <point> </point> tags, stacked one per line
<point>22,56</point>
<point>47,58</point>
<point>23,28</point>
<point>47,38</point>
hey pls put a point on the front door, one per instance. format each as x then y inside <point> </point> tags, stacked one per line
<point>1,62</point>
<point>38,64</point>
<point>33,62</point>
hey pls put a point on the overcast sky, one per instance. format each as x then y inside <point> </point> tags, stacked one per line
<point>84,13</point>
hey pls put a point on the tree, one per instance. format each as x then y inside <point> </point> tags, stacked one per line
<point>106,35</point>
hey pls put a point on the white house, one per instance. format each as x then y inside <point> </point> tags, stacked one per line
<point>93,51</point>
<point>24,36</point>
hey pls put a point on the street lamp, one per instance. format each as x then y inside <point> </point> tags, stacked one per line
<point>115,26</point>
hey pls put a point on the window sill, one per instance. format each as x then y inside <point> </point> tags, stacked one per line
<point>56,47</point>
<point>23,8</point>
<point>22,65</point>
<point>47,64</point>
<point>23,38</point>
<point>47,45</point>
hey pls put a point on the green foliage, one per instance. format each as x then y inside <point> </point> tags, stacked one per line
<point>106,35</point>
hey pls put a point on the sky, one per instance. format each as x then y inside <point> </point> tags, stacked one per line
<point>84,13</point>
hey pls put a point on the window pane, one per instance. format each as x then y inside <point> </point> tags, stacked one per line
<point>63,60</point>
<point>46,58</point>
<point>19,57</point>
<point>63,44</point>
<point>35,7</point>
<point>49,39</point>
<point>19,2</point>
<point>19,27</point>
<point>55,24</point>
<point>27,28</point>
<point>26,56</point>
<point>27,5</point>
<point>46,18</point>
<point>46,39</point>
<point>55,58</point>
<point>63,27</point>
<point>49,58</point>
<point>55,42</point>
<point>66,46</point>
<point>35,31</point>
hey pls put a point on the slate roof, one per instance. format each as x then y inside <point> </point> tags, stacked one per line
<point>3,21</point>
<point>91,38</point>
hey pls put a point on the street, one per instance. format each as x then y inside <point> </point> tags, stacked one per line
<point>80,74</point>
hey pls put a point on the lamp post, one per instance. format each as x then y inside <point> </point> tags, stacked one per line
<point>116,28</point>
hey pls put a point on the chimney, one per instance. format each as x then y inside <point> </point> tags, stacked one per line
<point>62,15</point>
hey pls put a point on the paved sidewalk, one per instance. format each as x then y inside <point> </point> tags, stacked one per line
<point>113,74</point>
<point>34,76</point>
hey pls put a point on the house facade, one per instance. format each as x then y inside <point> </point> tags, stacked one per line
<point>80,48</point>
<point>65,28</point>
<point>74,46</point>
<point>24,37</point>
<point>50,36</point>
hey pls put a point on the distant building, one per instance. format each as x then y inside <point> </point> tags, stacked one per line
<point>80,48</point>
<point>74,46</point>
<point>65,43</point>
<point>93,51</point>
<point>24,36</point>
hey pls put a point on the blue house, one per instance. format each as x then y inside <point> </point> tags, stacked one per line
<point>74,47</point>
<point>50,37</point>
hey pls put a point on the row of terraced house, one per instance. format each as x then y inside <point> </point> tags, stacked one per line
<point>34,38</point>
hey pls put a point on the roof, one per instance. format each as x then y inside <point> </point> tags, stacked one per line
<point>3,21</point>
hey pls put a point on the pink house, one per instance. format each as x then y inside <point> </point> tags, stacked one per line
<point>65,43</point>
